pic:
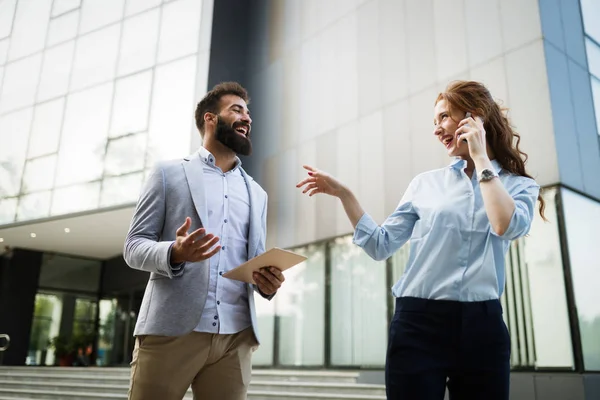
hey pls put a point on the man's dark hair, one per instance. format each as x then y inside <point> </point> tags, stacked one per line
<point>210,102</point>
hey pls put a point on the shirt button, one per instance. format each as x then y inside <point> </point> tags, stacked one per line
<point>218,302</point>
<point>220,272</point>
<point>216,317</point>
<point>225,221</point>
<point>214,324</point>
<point>225,196</point>
<point>224,248</point>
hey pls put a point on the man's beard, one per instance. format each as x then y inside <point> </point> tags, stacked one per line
<point>227,135</point>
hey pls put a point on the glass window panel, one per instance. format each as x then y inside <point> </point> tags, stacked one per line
<point>121,189</point>
<point>132,103</point>
<point>136,6</point>
<point>582,216</point>
<point>63,6</point>
<point>20,83</point>
<point>56,71</point>
<point>172,110</point>
<point>3,51</point>
<point>69,273</point>
<point>138,45</point>
<point>98,13</point>
<point>39,174</point>
<point>590,10</point>
<point>301,311</point>
<point>542,268</point>
<point>8,210</point>
<point>45,132</point>
<point>596,94</point>
<point>73,199</point>
<point>125,154</point>
<point>80,157</point>
<point>7,13</point>
<point>44,326</point>
<point>14,132</point>
<point>30,26</point>
<point>265,316</point>
<point>593,55</point>
<point>96,57</point>
<point>358,306</point>
<point>63,28</point>
<point>34,206</point>
<point>179,29</point>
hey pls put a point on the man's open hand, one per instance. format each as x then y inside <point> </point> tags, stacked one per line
<point>193,247</point>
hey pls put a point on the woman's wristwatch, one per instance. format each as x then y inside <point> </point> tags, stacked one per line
<point>487,174</point>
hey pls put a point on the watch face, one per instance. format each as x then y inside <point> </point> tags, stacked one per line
<point>486,174</point>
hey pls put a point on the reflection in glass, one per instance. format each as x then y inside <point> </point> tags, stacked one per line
<point>8,210</point>
<point>179,29</point>
<point>20,83</point>
<point>7,12</point>
<point>45,131</point>
<point>582,217</point>
<point>83,141</point>
<point>98,13</point>
<point>69,273</point>
<point>125,154</point>
<point>136,6</point>
<point>29,29</point>
<point>265,315</point>
<point>63,28</point>
<point>121,190</point>
<point>39,174</point>
<point>542,268</point>
<point>33,206</point>
<point>172,110</point>
<point>14,131</point>
<point>301,311</point>
<point>593,56</point>
<point>590,13</point>
<point>132,103</point>
<point>3,51</point>
<point>45,326</point>
<point>358,306</point>
<point>77,198</point>
<point>55,71</point>
<point>138,45</point>
<point>95,57</point>
<point>596,95</point>
<point>63,6</point>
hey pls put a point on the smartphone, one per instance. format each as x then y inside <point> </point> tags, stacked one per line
<point>467,115</point>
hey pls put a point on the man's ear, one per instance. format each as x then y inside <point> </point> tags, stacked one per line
<point>209,117</point>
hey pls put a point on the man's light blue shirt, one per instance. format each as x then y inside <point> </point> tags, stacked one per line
<point>226,310</point>
<point>454,252</point>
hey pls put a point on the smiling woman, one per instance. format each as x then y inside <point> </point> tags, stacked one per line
<point>460,221</point>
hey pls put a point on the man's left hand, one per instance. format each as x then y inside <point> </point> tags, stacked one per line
<point>268,280</point>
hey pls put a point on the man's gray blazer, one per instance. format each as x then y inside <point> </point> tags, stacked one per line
<point>174,297</point>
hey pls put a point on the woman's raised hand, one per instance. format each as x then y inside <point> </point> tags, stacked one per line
<point>320,182</point>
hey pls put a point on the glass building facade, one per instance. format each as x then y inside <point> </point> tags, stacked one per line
<point>92,93</point>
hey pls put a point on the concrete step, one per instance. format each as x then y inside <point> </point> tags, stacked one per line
<point>82,386</point>
<point>252,395</point>
<point>119,374</point>
<point>94,383</point>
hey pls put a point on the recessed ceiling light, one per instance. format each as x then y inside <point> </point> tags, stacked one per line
<point>33,235</point>
<point>1,240</point>
<point>67,230</point>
